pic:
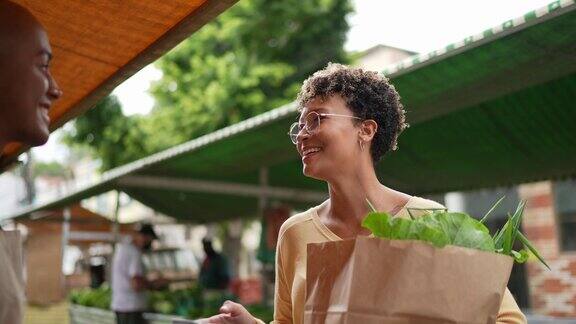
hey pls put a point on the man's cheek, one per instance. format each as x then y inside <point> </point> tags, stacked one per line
<point>42,82</point>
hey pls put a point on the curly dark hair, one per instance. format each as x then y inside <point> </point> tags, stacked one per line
<point>368,94</point>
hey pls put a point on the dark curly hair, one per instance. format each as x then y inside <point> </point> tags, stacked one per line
<point>368,94</point>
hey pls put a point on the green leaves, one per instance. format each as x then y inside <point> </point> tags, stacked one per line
<point>461,229</point>
<point>532,249</point>
<point>520,257</point>
<point>491,209</point>
<point>505,238</point>
<point>250,59</point>
<point>441,228</point>
<point>380,224</point>
<point>108,134</point>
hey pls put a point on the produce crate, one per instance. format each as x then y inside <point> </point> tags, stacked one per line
<point>154,318</point>
<point>90,315</point>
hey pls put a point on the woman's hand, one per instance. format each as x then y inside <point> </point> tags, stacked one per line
<point>231,312</point>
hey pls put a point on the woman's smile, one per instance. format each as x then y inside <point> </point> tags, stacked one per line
<point>307,152</point>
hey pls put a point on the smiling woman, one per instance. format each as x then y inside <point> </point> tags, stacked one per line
<point>367,99</point>
<point>349,119</point>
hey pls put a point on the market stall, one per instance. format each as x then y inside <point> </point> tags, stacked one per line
<point>492,110</point>
<point>46,240</point>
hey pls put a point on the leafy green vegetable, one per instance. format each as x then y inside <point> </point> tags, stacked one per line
<point>491,209</point>
<point>532,249</point>
<point>99,297</point>
<point>188,302</point>
<point>521,256</point>
<point>461,229</point>
<point>385,226</point>
<point>441,227</point>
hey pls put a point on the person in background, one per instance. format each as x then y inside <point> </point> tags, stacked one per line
<point>27,91</point>
<point>129,283</point>
<point>97,275</point>
<point>214,273</point>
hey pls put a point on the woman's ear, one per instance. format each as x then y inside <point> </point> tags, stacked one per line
<point>368,129</point>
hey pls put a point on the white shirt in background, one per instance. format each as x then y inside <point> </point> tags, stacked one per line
<point>126,264</point>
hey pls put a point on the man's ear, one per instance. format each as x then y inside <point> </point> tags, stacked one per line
<point>368,130</point>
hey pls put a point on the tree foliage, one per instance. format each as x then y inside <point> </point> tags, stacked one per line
<point>250,59</point>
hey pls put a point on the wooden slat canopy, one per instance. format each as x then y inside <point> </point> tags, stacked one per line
<point>99,44</point>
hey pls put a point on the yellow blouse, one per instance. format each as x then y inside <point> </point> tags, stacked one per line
<point>304,228</point>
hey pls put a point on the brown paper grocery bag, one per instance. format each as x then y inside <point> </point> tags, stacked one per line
<point>11,278</point>
<point>372,280</point>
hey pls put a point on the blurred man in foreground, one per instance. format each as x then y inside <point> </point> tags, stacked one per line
<point>27,90</point>
<point>27,87</point>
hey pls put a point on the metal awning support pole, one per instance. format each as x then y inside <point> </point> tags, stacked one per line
<point>116,225</point>
<point>267,270</point>
<point>115,234</point>
<point>65,237</point>
<point>262,202</point>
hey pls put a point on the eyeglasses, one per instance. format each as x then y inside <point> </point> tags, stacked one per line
<point>311,123</point>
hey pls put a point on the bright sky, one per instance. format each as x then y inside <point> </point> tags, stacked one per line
<point>423,25</point>
<point>417,25</point>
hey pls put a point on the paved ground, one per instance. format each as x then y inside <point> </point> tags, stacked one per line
<point>55,314</point>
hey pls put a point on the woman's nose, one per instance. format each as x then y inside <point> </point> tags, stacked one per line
<point>303,133</point>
